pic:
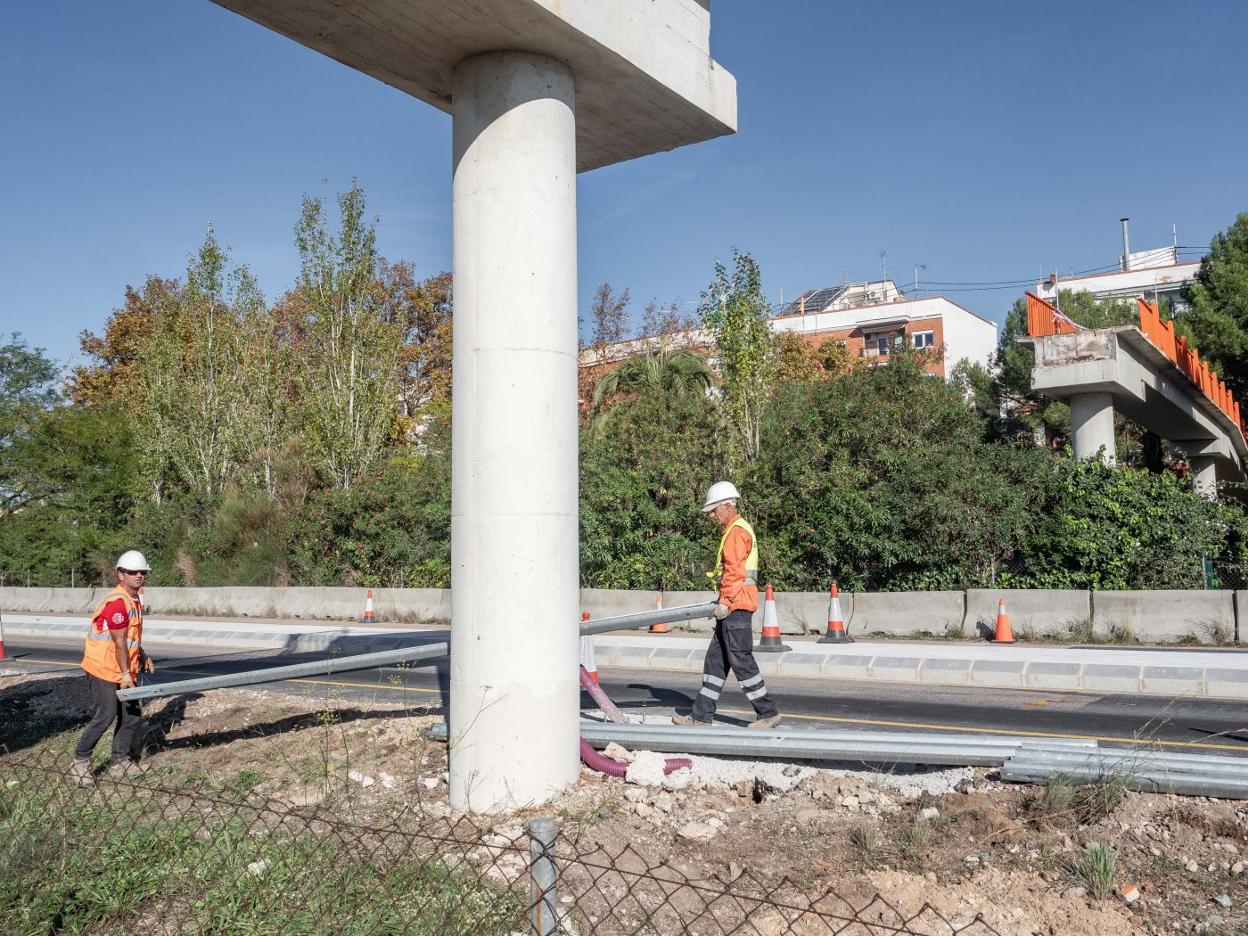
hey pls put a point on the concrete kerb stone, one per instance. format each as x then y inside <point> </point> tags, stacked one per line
<point>939,613</point>
<point>1241,617</point>
<point>1053,676</point>
<point>1033,612</point>
<point>1004,674</point>
<point>1165,614</point>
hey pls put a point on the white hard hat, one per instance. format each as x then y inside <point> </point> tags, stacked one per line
<point>720,491</point>
<point>133,561</point>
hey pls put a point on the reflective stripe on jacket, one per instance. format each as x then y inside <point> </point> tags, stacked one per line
<point>99,657</point>
<point>736,567</point>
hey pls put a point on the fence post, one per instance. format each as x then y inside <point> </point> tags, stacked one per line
<point>543,907</point>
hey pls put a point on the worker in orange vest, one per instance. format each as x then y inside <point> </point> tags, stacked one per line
<point>113,659</point>
<point>732,647</point>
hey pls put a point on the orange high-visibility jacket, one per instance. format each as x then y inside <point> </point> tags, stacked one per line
<point>100,658</point>
<point>736,567</point>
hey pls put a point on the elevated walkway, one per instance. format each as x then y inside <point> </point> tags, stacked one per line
<point>1148,374</point>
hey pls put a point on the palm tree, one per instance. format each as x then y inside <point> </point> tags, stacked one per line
<point>674,374</point>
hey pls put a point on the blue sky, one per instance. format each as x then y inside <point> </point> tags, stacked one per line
<point>988,141</point>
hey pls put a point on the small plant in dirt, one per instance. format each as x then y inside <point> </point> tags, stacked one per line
<point>865,842</point>
<point>913,843</point>
<point>1052,804</point>
<point>1218,633</point>
<point>1096,870</point>
<point>1096,801</point>
<point>1082,630</point>
<point>1061,802</point>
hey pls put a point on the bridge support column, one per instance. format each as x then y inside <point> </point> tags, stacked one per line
<point>1092,424</point>
<point>515,575</point>
<point>1204,475</point>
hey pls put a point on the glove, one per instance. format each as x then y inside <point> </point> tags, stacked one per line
<point>721,611</point>
<point>127,681</point>
<point>148,665</point>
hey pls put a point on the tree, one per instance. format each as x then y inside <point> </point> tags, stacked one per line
<point>661,373</point>
<point>117,353</point>
<point>641,486</point>
<point>881,480</point>
<point>194,392</point>
<point>26,393</point>
<point>350,363</point>
<point>423,311</point>
<point>1218,320</point>
<point>735,313</point>
<point>609,315</point>
<point>666,323</point>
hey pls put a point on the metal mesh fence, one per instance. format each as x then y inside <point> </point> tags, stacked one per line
<point>181,856</point>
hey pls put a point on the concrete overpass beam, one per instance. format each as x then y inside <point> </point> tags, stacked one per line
<point>514,538</point>
<point>1092,422</point>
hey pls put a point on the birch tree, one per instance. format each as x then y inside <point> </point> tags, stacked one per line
<point>350,361</point>
<point>735,314</point>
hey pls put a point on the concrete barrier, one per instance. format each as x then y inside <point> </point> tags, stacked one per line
<point>1149,615</point>
<point>905,613</point>
<point>1038,612</point>
<point>1165,615</point>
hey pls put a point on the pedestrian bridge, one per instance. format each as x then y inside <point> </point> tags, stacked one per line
<point>1147,373</point>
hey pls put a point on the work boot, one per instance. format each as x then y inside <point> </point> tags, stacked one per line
<point>80,770</point>
<point>768,722</point>
<point>687,720</point>
<point>122,768</point>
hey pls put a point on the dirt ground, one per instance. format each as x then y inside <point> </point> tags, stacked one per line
<point>1005,851</point>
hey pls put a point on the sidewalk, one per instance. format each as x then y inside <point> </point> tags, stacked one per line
<point>1168,672</point>
<point>1163,671</point>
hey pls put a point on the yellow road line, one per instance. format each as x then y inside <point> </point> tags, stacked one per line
<point>840,719</point>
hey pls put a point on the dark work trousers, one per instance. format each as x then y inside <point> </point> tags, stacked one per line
<point>107,710</point>
<point>732,648</point>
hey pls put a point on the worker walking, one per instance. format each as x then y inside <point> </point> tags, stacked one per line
<point>113,659</point>
<point>732,647</point>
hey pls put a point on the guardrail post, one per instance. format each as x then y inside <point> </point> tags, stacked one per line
<point>543,906</point>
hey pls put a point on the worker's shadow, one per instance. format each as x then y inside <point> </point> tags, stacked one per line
<point>153,736</point>
<point>681,702</point>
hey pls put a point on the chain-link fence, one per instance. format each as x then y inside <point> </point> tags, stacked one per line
<point>187,855</point>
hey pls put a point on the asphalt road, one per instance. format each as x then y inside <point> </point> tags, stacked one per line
<point>1216,726</point>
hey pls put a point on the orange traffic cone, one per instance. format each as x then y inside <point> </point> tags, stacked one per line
<point>658,606</point>
<point>587,653</point>
<point>3,655</point>
<point>1004,634</point>
<point>370,616</point>
<point>836,621</point>
<point>771,627</point>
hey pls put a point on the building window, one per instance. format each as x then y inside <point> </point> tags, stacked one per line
<point>924,339</point>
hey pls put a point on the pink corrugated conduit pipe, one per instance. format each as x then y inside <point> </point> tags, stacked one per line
<point>601,762</point>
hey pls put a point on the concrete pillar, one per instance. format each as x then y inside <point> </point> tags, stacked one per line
<point>1092,424</point>
<point>1204,475</point>
<point>514,538</point>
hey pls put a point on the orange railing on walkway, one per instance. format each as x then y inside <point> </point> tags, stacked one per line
<point>1175,347</point>
<point>1044,319</point>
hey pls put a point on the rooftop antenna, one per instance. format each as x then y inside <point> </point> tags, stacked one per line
<point>917,267</point>
<point>1126,244</point>
<point>884,263</point>
<point>1174,230</point>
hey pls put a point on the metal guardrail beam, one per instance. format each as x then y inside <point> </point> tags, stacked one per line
<point>388,657</point>
<point>295,671</point>
<point>959,750</point>
<point>646,618</point>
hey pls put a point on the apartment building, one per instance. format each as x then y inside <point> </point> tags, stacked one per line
<point>874,320</point>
